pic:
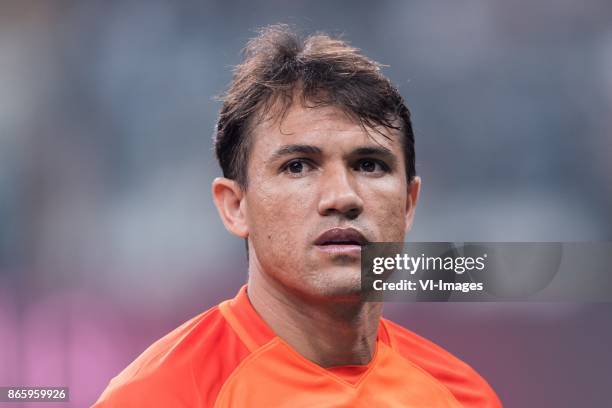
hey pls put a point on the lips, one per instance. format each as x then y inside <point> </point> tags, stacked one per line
<point>341,237</point>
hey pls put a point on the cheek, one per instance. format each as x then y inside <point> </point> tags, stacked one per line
<point>276,220</point>
<point>389,213</point>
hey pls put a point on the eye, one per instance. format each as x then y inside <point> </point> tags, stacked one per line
<point>297,167</point>
<point>371,166</point>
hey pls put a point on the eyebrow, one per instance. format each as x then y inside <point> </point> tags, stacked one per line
<point>374,151</point>
<point>293,149</point>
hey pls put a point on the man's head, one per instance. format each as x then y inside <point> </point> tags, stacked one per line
<point>317,152</point>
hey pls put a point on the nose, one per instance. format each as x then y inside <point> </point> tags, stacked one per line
<point>338,195</point>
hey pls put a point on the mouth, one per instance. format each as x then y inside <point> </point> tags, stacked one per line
<point>348,241</point>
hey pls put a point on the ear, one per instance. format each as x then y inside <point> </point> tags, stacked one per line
<point>413,196</point>
<point>229,199</point>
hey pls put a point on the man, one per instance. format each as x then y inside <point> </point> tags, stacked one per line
<point>317,152</point>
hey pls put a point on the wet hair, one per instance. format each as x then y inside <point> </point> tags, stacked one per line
<point>323,71</point>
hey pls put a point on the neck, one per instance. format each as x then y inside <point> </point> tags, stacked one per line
<point>325,332</point>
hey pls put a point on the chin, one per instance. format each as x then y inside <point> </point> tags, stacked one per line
<point>339,286</point>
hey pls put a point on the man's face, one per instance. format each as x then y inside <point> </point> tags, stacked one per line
<point>318,186</point>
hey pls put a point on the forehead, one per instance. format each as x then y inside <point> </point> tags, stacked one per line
<point>323,126</point>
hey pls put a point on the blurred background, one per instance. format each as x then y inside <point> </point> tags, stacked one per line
<point>108,234</point>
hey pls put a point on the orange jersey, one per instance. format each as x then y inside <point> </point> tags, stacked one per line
<point>229,357</point>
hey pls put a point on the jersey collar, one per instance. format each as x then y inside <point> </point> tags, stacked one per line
<point>252,329</point>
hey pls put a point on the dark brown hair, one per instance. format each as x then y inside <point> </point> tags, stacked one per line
<point>325,70</point>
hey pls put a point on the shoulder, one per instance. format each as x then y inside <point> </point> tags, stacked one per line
<point>462,380</point>
<point>186,366</point>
